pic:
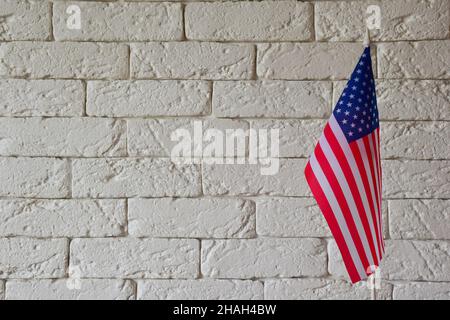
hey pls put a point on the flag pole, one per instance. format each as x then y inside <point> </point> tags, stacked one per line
<point>366,41</point>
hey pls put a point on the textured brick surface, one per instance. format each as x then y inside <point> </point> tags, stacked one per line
<point>411,140</point>
<point>414,60</point>
<point>422,291</point>
<point>41,98</point>
<point>94,206</point>
<point>154,137</point>
<point>139,258</point>
<point>419,219</point>
<point>413,99</point>
<point>277,99</point>
<point>321,289</point>
<point>120,22</point>
<point>63,60</point>
<point>304,61</point>
<point>117,178</point>
<point>290,217</point>
<point>416,179</point>
<point>400,20</point>
<point>199,290</point>
<point>147,98</point>
<point>71,289</point>
<point>246,179</point>
<point>34,177</point>
<point>192,60</point>
<point>22,258</point>
<point>85,137</point>
<point>417,260</point>
<point>191,218</point>
<point>263,258</point>
<point>18,15</point>
<point>62,218</point>
<point>230,21</point>
<point>297,137</point>
<point>2,290</point>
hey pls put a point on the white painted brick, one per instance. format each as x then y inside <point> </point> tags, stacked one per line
<point>117,178</point>
<point>278,99</point>
<point>192,60</point>
<point>154,137</point>
<point>417,60</point>
<point>120,22</point>
<point>191,218</point>
<point>413,100</point>
<point>148,98</point>
<point>411,140</point>
<point>62,218</point>
<point>135,258</point>
<point>307,61</point>
<point>34,177</point>
<point>25,20</point>
<point>290,217</point>
<point>74,137</point>
<point>419,219</point>
<point>286,21</point>
<point>385,219</point>
<point>263,258</point>
<point>422,291</point>
<point>400,20</point>
<point>22,258</point>
<point>200,290</point>
<point>405,260</point>
<point>384,292</point>
<point>416,179</point>
<point>246,179</point>
<point>70,289</point>
<point>321,289</point>
<point>408,99</point>
<point>41,97</point>
<point>417,260</point>
<point>63,60</point>
<point>297,138</point>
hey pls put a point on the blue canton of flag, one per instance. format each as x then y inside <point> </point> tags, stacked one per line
<point>356,110</point>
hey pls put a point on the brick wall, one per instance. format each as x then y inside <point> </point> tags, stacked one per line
<point>91,205</point>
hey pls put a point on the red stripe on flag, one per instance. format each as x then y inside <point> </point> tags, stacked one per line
<point>332,223</point>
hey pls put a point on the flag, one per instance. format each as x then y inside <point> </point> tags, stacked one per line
<point>344,173</point>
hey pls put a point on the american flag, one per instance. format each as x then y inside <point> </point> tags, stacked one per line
<point>344,173</point>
